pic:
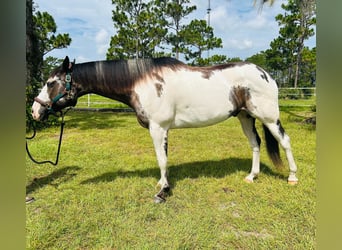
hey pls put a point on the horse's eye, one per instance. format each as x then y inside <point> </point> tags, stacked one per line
<point>50,84</point>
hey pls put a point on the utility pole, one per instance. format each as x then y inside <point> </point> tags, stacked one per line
<point>208,13</point>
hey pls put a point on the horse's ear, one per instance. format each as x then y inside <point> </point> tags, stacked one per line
<point>66,64</point>
<point>71,65</point>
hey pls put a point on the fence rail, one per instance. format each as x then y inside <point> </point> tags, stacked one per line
<point>296,93</point>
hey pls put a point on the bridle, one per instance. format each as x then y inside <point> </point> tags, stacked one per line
<point>65,92</point>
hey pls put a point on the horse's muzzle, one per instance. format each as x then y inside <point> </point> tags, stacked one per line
<point>39,112</point>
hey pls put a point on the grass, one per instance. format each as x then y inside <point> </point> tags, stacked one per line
<point>97,101</point>
<point>100,196</point>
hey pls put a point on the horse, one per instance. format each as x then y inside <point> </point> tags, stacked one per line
<point>166,93</point>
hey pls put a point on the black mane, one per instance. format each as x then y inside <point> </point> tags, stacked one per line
<point>119,75</point>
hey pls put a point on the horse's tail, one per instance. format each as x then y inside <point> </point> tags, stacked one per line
<point>272,147</point>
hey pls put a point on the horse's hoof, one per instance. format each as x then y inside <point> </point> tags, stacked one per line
<point>158,199</point>
<point>292,183</point>
<point>248,180</point>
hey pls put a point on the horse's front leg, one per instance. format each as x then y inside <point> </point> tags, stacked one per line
<point>159,137</point>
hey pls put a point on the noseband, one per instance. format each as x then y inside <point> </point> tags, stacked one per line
<point>49,105</point>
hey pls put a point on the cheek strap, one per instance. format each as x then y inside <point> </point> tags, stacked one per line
<point>67,89</point>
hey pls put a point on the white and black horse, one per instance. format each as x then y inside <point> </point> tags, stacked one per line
<point>166,93</point>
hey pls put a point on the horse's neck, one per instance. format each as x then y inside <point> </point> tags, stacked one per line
<point>93,83</point>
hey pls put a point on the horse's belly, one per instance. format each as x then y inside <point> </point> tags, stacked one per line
<point>200,114</point>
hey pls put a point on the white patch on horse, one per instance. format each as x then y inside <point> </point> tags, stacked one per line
<point>43,96</point>
<point>200,101</point>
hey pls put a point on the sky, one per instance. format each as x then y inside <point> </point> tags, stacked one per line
<point>244,29</point>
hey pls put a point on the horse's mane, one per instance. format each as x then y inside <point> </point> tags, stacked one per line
<point>121,74</point>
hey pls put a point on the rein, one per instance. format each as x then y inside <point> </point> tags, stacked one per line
<point>59,143</point>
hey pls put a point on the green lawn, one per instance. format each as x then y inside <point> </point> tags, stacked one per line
<point>96,101</point>
<point>100,196</point>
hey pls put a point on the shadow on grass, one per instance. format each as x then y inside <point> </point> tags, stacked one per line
<point>55,178</point>
<point>216,169</point>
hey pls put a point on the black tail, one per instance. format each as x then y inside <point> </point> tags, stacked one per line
<point>272,147</point>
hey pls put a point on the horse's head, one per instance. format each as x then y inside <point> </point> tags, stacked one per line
<point>57,94</point>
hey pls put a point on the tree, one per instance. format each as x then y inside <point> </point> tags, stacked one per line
<point>308,67</point>
<point>140,30</point>
<point>34,58</point>
<point>173,12</point>
<point>40,39</point>
<point>307,19</point>
<point>295,27</point>
<point>34,61</point>
<point>279,61</point>
<point>46,28</point>
<point>259,59</point>
<point>197,37</point>
<point>143,27</point>
<point>190,39</point>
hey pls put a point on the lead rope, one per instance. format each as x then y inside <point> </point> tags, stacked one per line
<point>59,143</point>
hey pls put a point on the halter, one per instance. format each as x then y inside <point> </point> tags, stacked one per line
<point>49,105</point>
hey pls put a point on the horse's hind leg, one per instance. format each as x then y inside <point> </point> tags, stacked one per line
<point>159,137</point>
<point>279,134</point>
<point>248,127</point>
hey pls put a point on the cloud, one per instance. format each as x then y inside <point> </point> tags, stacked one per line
<point>239,44</point>
<point>88,23</point>
<point>101,36</point>
<point>102,39</point>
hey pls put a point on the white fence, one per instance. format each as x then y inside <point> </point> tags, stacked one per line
<point>296,93</point>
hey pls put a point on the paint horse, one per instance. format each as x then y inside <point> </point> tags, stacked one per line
<point>166,94</point>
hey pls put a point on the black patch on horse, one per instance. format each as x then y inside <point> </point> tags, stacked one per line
<point>256,132</point>
<point>281,129</point>
<point>165,145</point>
<point>263,75</point>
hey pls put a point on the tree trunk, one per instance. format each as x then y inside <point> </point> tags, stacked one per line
<point>298,60</point>
<point>29,41</point>
<point>34,57</point>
